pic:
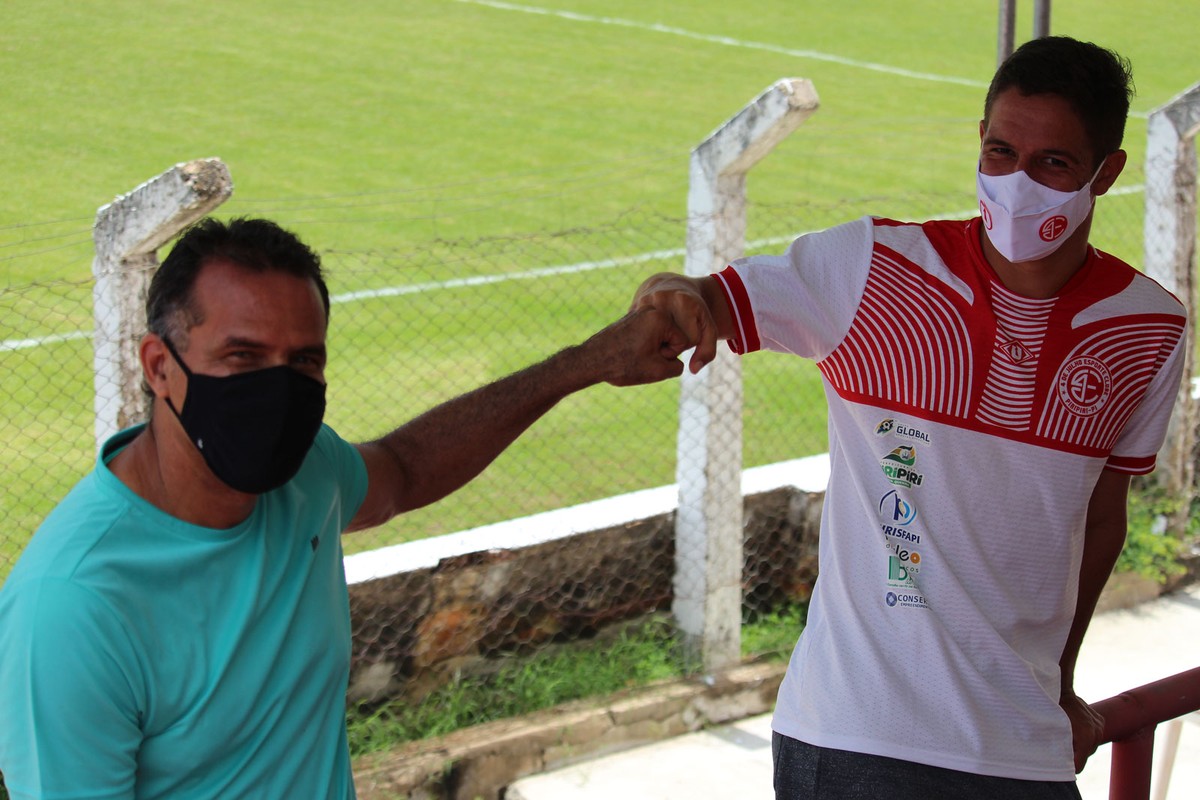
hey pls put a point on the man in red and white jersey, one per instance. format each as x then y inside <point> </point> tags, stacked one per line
<point>992,385</point>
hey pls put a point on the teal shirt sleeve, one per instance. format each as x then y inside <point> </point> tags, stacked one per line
<point>349,468</point>
<point>73,702</point>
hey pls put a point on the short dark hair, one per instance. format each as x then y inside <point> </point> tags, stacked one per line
<point>258,245</point>
<point>1097,82</point>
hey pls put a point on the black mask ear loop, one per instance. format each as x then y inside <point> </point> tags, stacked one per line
<point>183,366</point>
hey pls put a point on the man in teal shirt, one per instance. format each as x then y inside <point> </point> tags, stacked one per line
<point>179,625</point>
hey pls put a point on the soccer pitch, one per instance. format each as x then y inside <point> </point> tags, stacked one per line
<point>422,143</point>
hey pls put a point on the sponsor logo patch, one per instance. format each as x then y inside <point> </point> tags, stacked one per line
<point>895,509</point>
<point>898,467</point>
<point>890,425</point>
<point>905,600</point>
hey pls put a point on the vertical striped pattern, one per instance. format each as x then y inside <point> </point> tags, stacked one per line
<point>1133,353</point>
<point>908,345</point>
<point>1010,389</point>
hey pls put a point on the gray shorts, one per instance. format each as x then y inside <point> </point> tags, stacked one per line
<point>806,772</point>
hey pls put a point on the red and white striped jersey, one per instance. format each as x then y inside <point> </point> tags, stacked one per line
<point>967,425</point>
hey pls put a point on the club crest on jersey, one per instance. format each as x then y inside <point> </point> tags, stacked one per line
<point>898,467</point>
<point>1084,385</point>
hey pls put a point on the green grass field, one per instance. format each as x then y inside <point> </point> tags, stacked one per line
<point>420,142</point>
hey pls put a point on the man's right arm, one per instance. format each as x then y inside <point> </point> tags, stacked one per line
<point>697,306</point>
<point>439,451</point>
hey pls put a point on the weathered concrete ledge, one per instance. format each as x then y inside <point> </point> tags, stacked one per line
<point>425,612</point>
<point>479,762</point>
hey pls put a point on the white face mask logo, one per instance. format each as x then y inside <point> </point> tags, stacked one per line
<point>1025,220</point>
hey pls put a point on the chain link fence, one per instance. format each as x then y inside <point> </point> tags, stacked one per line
<point>411,327</point>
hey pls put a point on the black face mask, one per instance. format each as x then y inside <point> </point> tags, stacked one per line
<point>252,428</point>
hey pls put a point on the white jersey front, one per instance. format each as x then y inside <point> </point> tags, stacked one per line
<point>967,428</point>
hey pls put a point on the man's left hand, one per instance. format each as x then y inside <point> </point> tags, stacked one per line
<point>1087,728</point>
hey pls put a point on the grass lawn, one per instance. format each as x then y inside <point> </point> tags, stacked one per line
<point>419,142</point>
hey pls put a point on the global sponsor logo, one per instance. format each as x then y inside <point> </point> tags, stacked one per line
<point>898,467</point>
<point>905,600</point>
<point>896,509</point>
<point>912,433</point>
<point>890,425</point>
<point>1084,385</point>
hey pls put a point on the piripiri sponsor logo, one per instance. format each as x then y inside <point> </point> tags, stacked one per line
<point>1084,385</point>
<point>885,427</point>
<point>905,600</point>
<point>898,467</point>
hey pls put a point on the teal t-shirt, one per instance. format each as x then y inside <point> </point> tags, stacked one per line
<point>144,657</point>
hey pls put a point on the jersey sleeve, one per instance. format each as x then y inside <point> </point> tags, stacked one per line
<point>803,301</point>
<point>70,725</point>
<point>1136,449</point>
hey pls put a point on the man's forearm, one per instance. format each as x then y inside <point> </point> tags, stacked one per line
<point>447,446</point>
<point>426,459</point>
<point>1103,539</point>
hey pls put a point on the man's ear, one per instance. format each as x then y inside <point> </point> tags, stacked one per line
<point>1109,172</point>
<point>154,357</point>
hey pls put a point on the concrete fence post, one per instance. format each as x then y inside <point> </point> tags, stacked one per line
<point>127,234</point>
<point>1170,242</point>
<point>708,531</point>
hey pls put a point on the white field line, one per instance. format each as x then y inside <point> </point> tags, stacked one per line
<point>727,41</point>
<point>24,344</point>
<point>8,345</point>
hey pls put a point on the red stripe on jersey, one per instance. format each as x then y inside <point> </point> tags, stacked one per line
<point>915,354</point>
<point>946,342</point>
<point>745,332</point>
<point>1132,466</point>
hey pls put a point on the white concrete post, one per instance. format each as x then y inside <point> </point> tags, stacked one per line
<point>1005,30</point>
<point>708,528</point>
<point>127,233</point>
<point>1170,241</point>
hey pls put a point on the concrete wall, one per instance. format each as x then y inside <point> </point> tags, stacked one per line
<point>416,627</point>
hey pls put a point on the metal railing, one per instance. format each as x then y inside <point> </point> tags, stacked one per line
<point>1130,719</point>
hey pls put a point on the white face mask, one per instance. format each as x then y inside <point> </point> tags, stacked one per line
<point>1025,220</point>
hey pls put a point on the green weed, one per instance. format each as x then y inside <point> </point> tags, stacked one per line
<point>637,656</point>
<point>1151,549</point>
